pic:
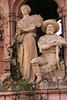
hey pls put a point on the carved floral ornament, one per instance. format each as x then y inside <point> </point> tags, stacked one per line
<point>5,20</point>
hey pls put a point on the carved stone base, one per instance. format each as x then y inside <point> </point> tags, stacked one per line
<point>60,84</point>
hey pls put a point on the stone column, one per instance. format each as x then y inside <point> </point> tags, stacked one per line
<point>12,21</point>
<point>63,15</point>
<point>17,17</point>
<point>6,42</point>
<point>9,32</point>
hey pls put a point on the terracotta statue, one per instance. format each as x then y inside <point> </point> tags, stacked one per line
<point>25,35</point>
<point>48,45</point>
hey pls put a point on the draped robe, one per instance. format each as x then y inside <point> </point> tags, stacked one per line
<point>27,50</point>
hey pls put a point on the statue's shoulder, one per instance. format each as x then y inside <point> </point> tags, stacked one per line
<point>20,22</point>
<point>36,15</point>
<point>42,38</point>
<point>57,36</point>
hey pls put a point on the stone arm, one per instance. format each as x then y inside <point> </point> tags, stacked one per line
<point>59,40</point>
<point>48,46</point>
<point>62,41</point>
<point>18,36</point>
<point>18,39</point>
<point>30,28</point>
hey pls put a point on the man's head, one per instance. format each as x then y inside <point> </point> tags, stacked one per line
<point>25,9</point>
<point>50,26</point>
<point>50,29</point>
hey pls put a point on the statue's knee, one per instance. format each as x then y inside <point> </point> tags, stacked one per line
<point>50,64</point>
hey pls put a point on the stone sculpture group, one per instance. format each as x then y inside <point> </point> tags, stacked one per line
<point>33,67</point>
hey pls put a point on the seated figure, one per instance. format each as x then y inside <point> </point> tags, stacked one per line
<point>49,44</point>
